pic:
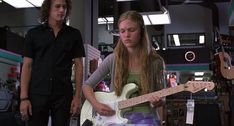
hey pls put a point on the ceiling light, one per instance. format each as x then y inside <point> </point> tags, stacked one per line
<point>36,3</point>
<point>146,20</point>
<point>24,3</point>
<point>157,18</point>
<point>150,18</point>
<point>101,21</point>
<point>110,19</point>
<point>18,3</point>
<point>106,20</point>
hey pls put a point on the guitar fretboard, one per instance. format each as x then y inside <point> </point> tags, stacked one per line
<point>145,98</point>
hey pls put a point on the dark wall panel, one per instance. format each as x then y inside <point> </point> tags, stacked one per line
<point>11,41</point>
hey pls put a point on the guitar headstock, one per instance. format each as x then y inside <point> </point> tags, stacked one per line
<point>195,86</point>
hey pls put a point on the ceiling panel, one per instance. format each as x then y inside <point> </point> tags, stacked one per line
<point>106,7</point>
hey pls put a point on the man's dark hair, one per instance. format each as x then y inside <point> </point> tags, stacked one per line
<point>45,10</point>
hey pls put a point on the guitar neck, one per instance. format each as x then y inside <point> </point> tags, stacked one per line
<point>145,98</point>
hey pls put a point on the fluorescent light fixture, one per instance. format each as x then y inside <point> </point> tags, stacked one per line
<point>110,19</point>
<point>201,39</point>
<point>146,20</point>
<point>106,20</point>
<point>150,18</point>
<point>101,21</point>
<point>24,3</point>
<point>36,3</point>
<point>176,40</point>
<point>19,3</point>
<point>157,18</point>
<point>199,73</point>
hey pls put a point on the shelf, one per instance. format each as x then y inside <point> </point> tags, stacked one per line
<point>7,55</point>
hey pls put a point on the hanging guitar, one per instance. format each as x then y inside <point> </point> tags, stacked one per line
<point>226,68</point>
<point>88,114</point>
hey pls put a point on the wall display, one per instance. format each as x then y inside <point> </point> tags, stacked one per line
<point>10,65</point>
<point>224,57</point>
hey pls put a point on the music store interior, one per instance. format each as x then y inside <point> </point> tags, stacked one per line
<point>195,38</point>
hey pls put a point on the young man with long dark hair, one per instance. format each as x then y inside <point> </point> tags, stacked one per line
<point>50,50</point>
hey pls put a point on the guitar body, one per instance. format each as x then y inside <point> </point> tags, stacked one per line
<point>87,111</point>
<point>122,102</point>
<point>226,68</point>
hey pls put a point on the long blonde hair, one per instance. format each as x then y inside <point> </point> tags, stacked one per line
<point>121,56</point>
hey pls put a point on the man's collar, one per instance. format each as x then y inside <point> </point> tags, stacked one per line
<point>46,25</point>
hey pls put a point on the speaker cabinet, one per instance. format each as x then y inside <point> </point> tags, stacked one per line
<point>204,114</point>
<point>207,115</point>
<point>186,56</point>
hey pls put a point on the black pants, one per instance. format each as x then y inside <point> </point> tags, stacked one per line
<point>231,99</point>
<point>56,106</point>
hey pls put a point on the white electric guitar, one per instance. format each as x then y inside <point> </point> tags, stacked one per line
<point>121,102</point>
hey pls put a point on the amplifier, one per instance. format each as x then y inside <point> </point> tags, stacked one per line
<point>186,56</point>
